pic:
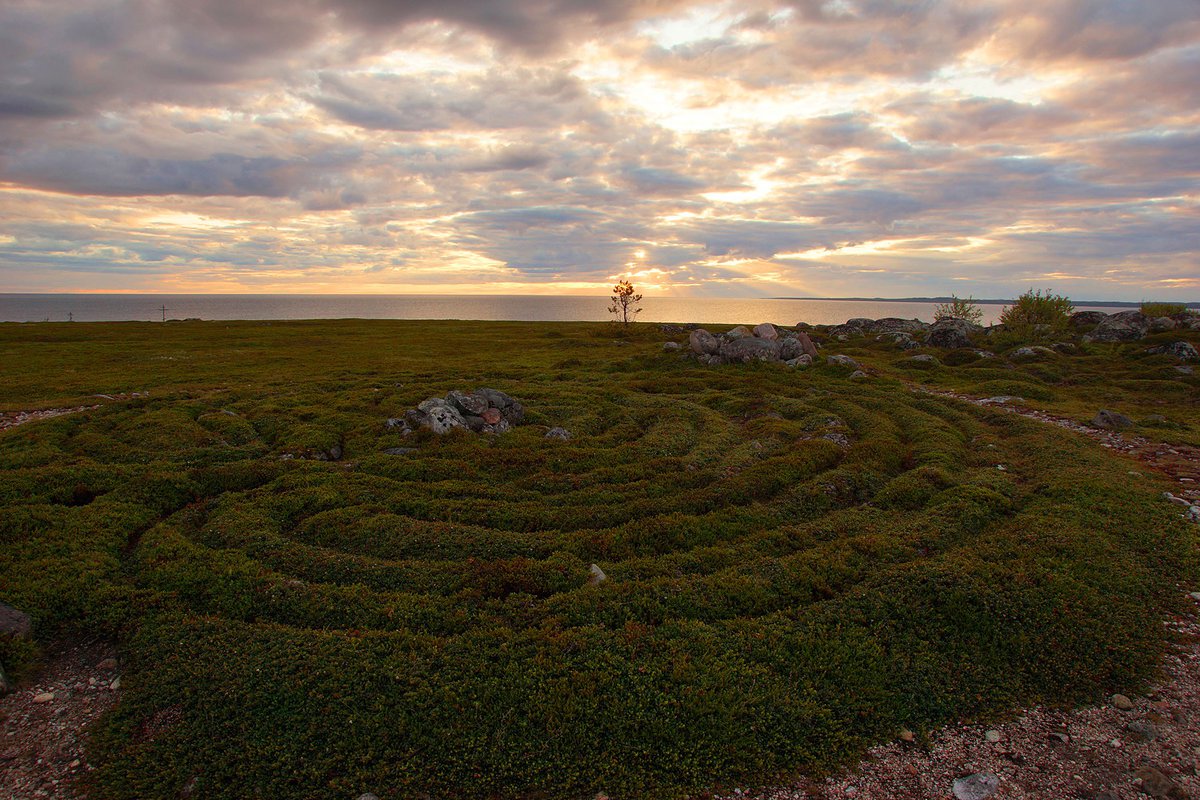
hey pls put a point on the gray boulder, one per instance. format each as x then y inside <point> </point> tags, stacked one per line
<point>1111,420</point>
<point>444,418</point>
<point>672,347</point>
<point>703,343</point>
<point>1030,353</point>
<point>1161,324</point>
<point>923,361</point>
<point>1127,326</point>
<point>1086,319</point>
<point>897,325</point>
<point>789,348</point>
<point>952,333</point>
<point>748,348</point>
<point>562,434</point>
<point>1184,351</point>
<point>474,403</point>
<point>901,339</point>
<point>842,361</point>
<point>740,332</point>
<point>803,360</point>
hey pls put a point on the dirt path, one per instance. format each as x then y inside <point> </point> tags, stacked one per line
<point>43,728</point>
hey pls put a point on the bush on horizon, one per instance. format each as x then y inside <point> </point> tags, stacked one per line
<point>1153,310</point>
<point>1036,314</point>
<point>959,308</point>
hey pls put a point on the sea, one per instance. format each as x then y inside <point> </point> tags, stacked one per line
<point>719,310</point>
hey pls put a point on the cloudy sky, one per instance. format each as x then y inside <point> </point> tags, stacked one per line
<point>847,147</point>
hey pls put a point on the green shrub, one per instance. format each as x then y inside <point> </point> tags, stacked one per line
<point>1035,309</point>
<point>1163,309</point>
<point>958,308</point>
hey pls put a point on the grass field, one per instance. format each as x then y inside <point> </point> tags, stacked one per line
<point>799,564</point>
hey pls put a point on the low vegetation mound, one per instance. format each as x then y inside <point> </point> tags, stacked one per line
<point>796,565</point>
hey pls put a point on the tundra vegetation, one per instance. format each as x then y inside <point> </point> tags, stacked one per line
<point>797,564</point>
<point>959,308</point>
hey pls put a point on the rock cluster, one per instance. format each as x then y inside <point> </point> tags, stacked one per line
<point>481,411</point>
<point>742,345</point>
<point>1129,326</point>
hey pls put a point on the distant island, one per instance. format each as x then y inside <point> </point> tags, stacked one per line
<point>985,302</point>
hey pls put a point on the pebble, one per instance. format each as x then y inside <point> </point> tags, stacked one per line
<point>992,736</point>
<point>907,736</point>
<point>107,664</point>
<point>1122,703</point>
<point>116,684</point>
<point>44,697</point>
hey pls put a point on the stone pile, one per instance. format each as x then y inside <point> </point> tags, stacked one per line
<point>743,345</point>
<point>1129,326</point>
<point>481,411</point>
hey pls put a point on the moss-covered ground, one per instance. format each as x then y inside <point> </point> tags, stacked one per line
<point>799,564</point>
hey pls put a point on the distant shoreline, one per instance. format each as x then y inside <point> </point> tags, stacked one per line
<point>984,302</point>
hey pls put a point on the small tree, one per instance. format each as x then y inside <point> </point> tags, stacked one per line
<point>625,303</point>
<point>958,308</point>
<point>1037,308</point>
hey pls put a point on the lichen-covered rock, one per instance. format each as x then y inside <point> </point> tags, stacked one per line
<point>1111,420</point>
<point>1126,326</point>
<point>923,361</point>
<point>740,332</point>
<point>952,333</point>
<point>1184,351</point>
<point>562,434</point>
<point>897,325</point>
<point>1161,324</point>
<point>703,343</point>
<point>901,339</point>
<point>842,361</point>
<point>748,348</point>
<point>14,624</point>
<point>1030,353</point>
<point>1086,319</point>
<point>803,360</point>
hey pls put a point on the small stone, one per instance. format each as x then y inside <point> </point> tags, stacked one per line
<point>74,764</point>
<point>1111,420</point>
<point>1062,737</point>
<point>1121,702</point>
<point>107,664</point>
<point>596,575</point>
<point>44,697</point>
<point>367,796</point>
<point>399,451</point>
<point>858,375</point>
<point>907,736</point>
<point>116,684</point>
<point>992,736</point>
<point>491,416</point>
<point>979,786</point>
<point>672,346</point>
<point>562,434</point>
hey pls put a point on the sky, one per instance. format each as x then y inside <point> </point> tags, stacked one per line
<point>802,148</point>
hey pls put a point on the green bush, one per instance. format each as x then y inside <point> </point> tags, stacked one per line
<point>958,308</point>
<point>1163,309</point>
<point>1034,310</point>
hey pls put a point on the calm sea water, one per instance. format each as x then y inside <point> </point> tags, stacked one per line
<point>121,307</point>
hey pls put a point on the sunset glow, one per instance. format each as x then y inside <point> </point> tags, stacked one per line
<point>833,148</point>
